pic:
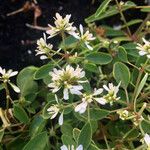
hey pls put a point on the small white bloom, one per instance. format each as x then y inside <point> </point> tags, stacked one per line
<point>85,37</point>
<point>43,48</point>
<point>71,147</point>
<point>147,140</point>
<point>53,112</point>
<point>88,98</point>
<point>123,114</point>
<point>144,49</point>
<point>61,25</point>
<point>5,75</point>
<point>112,93</point>
<point>68,79</point>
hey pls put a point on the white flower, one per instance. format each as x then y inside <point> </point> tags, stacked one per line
<point>71,147</point>
<point>68,79</point>
<point>144,49</point>
<point>53,112</point>
<point>5,75</point>
<point>147,140</point>
<point>88,98</point>
<point>111,96</point>
<point>85,37</point>
<point>43,48</point>
<point>61,25</point>
<point>123,114</point>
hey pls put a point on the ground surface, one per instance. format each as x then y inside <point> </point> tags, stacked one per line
<point>17,42</point>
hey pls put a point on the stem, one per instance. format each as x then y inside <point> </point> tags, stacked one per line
<point>106,142</point>
<point>63,39</point>
<point>142,131</point>
<point>8,98</point>
<point>133,65</point>
<point>136,87</point>
<point>127,97</point>
<point>134,98</point>
<point>123,18</point>
<point>88,113</point>
<point>3,118</point>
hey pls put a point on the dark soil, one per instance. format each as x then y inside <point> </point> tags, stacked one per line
<point>18,42</point>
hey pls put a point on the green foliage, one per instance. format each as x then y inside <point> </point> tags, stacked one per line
<point>99,58</point>
<point>85,136</point>
<point>92,92</point>
<point>121,74</point>
<point>38,142</point>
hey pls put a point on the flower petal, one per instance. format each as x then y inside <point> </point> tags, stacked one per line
<point>80,147</point>
<point>101,101</point>
<point>66,94</point>
<point>64,147</point>
<point>61,119</point>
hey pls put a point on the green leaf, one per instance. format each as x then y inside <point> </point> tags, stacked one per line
<point>99,58</point>
<point>111,32</point>
<point>121,73</point>
<point>132,134</point>
<point>132,22</point>
<point>38,142</point>
<point>70,42</point>
<point>141,85</point>
<point>43,71</point>
<point>16,144</point>
<point>25,81</point>
<point>67,140</point>
<point>91,67</point>
<point>146,126</point>
<point>37,126</point>
<point>76,133</point>
<point>122,54</point>
<point>1,134</point>
<point>102,8</point>
<point>131,49</point>
<point>98,114</point>
<point>67,129</point>
<point>20,114</point>
<point>85,136</point>
<point>110,12</point>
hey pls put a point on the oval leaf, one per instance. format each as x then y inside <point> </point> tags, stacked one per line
<point>25,81</point>
<point>122,54</point>
<point>38,142</point>
<point>99,58</point>
<point>43,71</point>
<point>20,114</point>
<point>121,73</point>
<point>85,136</point>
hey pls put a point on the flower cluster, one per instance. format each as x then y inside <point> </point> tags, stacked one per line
<point>144,49</point>
<point>88,98</point>
<point>43,48</point>
<point>123,114</point>
<point>111,96</point>
<point>5,75</point>
<point>61,25</point>
<point>68,79</point>
<point>53,112</point>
